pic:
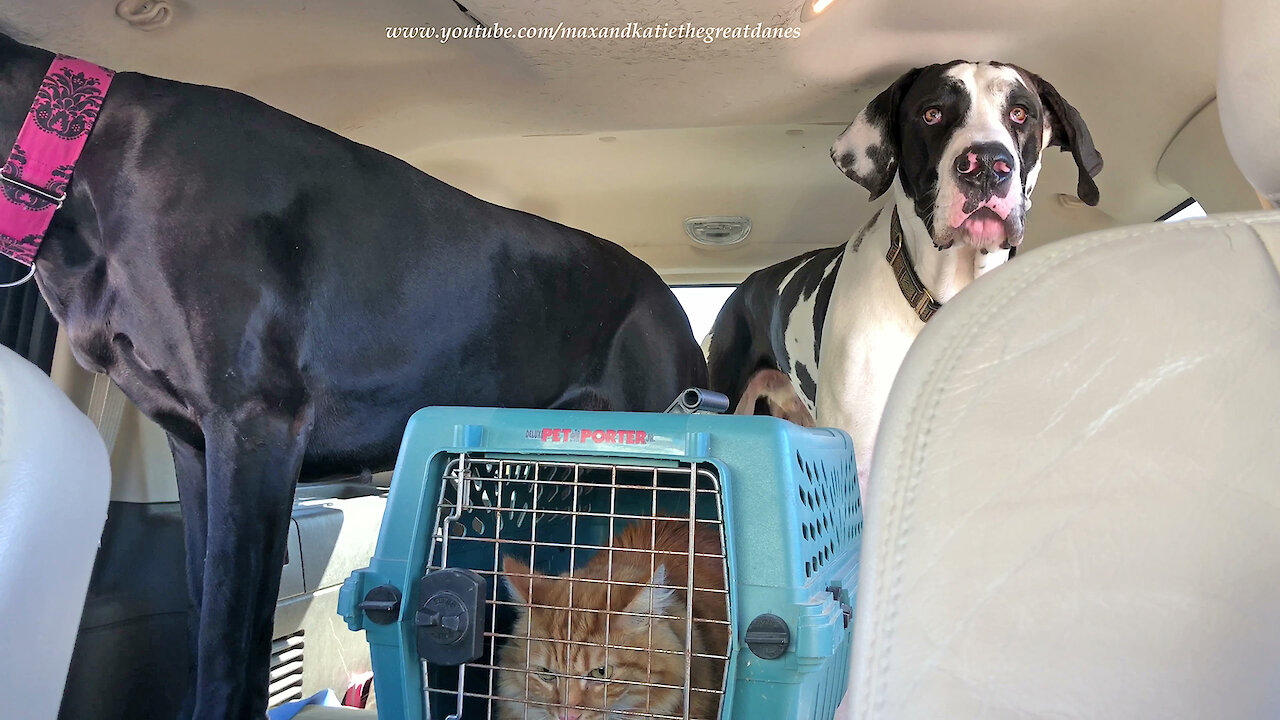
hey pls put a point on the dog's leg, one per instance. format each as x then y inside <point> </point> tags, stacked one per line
<point>190,465</point>
<point>253,458</point>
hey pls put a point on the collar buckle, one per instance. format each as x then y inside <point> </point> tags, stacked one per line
<point>56,198</point>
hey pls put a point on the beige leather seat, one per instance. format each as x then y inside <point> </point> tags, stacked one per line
<point>54,485</point>
<point>1075,511</point>
<point>1075,508</point>
<point>1249,90</point>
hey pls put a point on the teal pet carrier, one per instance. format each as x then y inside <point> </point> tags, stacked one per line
<point>564,564</point>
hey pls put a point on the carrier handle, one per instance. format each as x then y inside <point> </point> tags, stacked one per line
<point>697,400</point>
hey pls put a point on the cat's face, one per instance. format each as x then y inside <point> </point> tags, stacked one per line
<point>563,672</point>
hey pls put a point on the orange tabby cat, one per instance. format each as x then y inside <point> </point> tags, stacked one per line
<point>573,679</point>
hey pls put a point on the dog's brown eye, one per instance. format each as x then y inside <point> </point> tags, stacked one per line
<point>1018,114</point>
<point>932,116</point>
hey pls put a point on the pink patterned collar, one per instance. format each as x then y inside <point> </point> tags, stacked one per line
<point>33,182</point>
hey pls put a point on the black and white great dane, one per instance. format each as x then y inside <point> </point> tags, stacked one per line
<point>820,337</point>
<point>280,299</point>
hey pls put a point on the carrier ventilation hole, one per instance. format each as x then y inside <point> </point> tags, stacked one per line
<point>829,493</point>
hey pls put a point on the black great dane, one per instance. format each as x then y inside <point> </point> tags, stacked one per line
<point>281,299</point>
<point>958,148</point>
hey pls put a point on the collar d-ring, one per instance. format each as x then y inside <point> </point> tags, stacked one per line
<point>30,274</point>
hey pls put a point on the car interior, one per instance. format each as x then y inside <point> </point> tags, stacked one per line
<point>628,140</point>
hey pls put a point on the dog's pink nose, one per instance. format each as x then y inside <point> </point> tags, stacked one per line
<point>570,715</point>
<point>984,167</point>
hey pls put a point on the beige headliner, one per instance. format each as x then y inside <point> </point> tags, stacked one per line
<point>696,128</point>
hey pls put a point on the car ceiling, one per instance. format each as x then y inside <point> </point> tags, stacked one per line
<point>627,138</point>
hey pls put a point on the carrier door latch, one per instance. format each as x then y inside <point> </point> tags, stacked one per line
<point>768,636</point>
<point>450,620</point>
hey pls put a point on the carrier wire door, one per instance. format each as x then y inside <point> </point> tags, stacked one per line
<point>637,629</point>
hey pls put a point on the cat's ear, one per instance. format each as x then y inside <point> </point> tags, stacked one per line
<point>520,585</point>
<point>653,600</point>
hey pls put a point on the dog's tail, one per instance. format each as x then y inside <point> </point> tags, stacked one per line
<point>774,388</point>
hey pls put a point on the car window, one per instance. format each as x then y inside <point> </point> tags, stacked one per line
<point>1185,210</point>
<point>702,303</point>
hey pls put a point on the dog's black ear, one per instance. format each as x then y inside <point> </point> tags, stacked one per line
<point>1068,131</point>
<point>867,150</point>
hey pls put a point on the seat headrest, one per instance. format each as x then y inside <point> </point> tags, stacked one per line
<point>54,485</point>
<point>1075,508</point>
<point>1249,90</point>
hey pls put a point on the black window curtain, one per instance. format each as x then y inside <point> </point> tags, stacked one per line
<point>26,325</point>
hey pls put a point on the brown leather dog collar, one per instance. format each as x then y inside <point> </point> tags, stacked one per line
<point>909,283</point>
